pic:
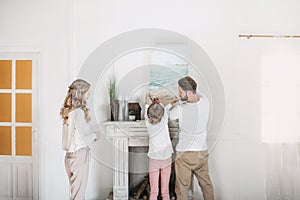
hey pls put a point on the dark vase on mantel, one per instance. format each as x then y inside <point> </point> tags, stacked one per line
<point>114,110</point>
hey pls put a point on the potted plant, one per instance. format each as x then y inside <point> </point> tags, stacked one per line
<point>114,104</point>
<point>131,114</point>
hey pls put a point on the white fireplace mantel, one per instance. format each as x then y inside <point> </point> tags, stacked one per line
<point>125,134</point>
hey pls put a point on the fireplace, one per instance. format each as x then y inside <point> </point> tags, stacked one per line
<point>139,184</point>
<point>128,137</point>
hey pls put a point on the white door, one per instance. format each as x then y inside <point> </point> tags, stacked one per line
<point>18,147</point>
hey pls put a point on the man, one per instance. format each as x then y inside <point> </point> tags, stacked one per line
<point>191,150</point>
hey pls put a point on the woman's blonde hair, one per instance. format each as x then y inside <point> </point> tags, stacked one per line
<point>155,112</point>
<point>75,99</point>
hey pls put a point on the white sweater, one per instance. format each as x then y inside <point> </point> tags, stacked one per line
<point>193,118</point>
<point>77,133</point>
<point>160,146</point>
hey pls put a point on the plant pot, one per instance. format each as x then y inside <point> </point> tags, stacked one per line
<point>114,110</point>
<point>131,117</point>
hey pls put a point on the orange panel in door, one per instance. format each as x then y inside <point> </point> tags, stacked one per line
<point>24,74</point>
<point>5,140</point>
<point>23,141</point>
<point>5,107</point>
<point>23,108</point>
<point>5,74</point>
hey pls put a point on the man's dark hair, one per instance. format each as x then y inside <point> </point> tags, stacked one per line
<point>188,84</point>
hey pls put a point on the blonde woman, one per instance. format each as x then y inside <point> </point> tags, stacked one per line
<point>76,137</point>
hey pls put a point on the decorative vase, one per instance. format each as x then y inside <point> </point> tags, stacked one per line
<point>114,109</point>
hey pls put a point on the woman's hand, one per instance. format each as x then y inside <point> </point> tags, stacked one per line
<point>97,136</point>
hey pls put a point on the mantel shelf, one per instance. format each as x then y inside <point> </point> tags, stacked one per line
<point>140,123</point>
<point>134,129</point>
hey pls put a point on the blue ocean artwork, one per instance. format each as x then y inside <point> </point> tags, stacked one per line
<point>163,79</point>
<point>166,69</point>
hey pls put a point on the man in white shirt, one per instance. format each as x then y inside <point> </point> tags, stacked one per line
<point>191,150</point>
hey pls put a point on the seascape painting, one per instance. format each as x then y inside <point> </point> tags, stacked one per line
<point>166,70</point>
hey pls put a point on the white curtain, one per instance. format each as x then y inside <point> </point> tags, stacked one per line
<point>283,171</point>
<point>280,123</point>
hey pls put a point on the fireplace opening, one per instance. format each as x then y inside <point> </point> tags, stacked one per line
<point>139,185</point>
<point>142,189</point>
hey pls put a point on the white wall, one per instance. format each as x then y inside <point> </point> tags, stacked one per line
<point>66,32</point>
<point>42,26</point>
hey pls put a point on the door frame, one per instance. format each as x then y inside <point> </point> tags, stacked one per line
<point>34,54</point>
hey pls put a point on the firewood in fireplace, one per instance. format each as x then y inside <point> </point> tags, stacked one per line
<point>140,191</point>
<point>142,188</point>
<point>110,196</point>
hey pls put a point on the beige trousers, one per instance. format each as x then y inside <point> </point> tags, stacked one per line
<point>187,164</point>
<point>77,167</point>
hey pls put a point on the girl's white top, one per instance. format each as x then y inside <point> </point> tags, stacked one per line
<point>160,146</point>
<point>76,133</point>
